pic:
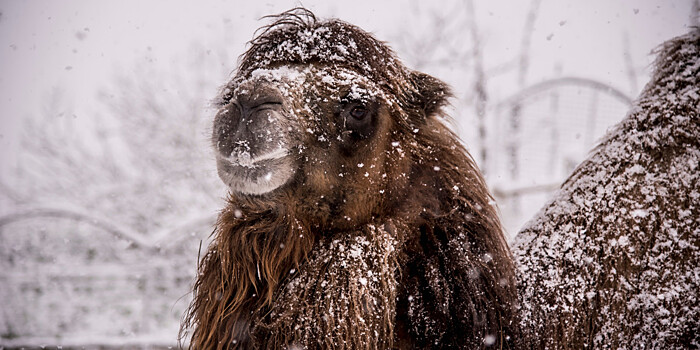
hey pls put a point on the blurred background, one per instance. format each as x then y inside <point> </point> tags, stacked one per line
<point>108,187</point>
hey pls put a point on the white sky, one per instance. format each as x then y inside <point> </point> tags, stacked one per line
<point>78,44</point>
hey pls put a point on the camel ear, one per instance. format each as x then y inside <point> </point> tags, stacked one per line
<point>432,93</point>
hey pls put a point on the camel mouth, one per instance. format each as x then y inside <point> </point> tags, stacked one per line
<point>246,160</point>
<point>256,175</point>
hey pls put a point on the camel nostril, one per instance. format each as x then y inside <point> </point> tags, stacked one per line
<point>226,124</point>
<point>225,141</point>
<point>224,147</point>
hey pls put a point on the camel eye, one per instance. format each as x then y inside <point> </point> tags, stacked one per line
<point>358,117</point>
<point>358,112</point>
<point>358,120</point>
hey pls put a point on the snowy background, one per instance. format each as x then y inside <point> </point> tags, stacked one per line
<point>107,183</point>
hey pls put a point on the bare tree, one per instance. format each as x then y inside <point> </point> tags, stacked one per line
<point>480,88</point>
<point>142,156</point>
<point>436,41</point>
<point>523,65</point>
<point>631,73</point>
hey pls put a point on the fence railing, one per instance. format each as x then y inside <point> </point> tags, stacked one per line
<point>541,133</point>
<point>70,277</point>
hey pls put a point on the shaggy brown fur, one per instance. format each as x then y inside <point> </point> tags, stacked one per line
<point>384,237</point>
<point>612,262</point>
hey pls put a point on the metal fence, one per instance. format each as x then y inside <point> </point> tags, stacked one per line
<point>71,278</point>
<point>539,135</point>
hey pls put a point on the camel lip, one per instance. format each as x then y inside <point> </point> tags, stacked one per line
<point>258,176</point>
<point>246,161</point>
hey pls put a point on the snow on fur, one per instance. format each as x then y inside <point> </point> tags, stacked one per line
<point>613,261</point>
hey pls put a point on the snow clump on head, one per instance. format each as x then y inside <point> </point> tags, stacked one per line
<point>298,37</point>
